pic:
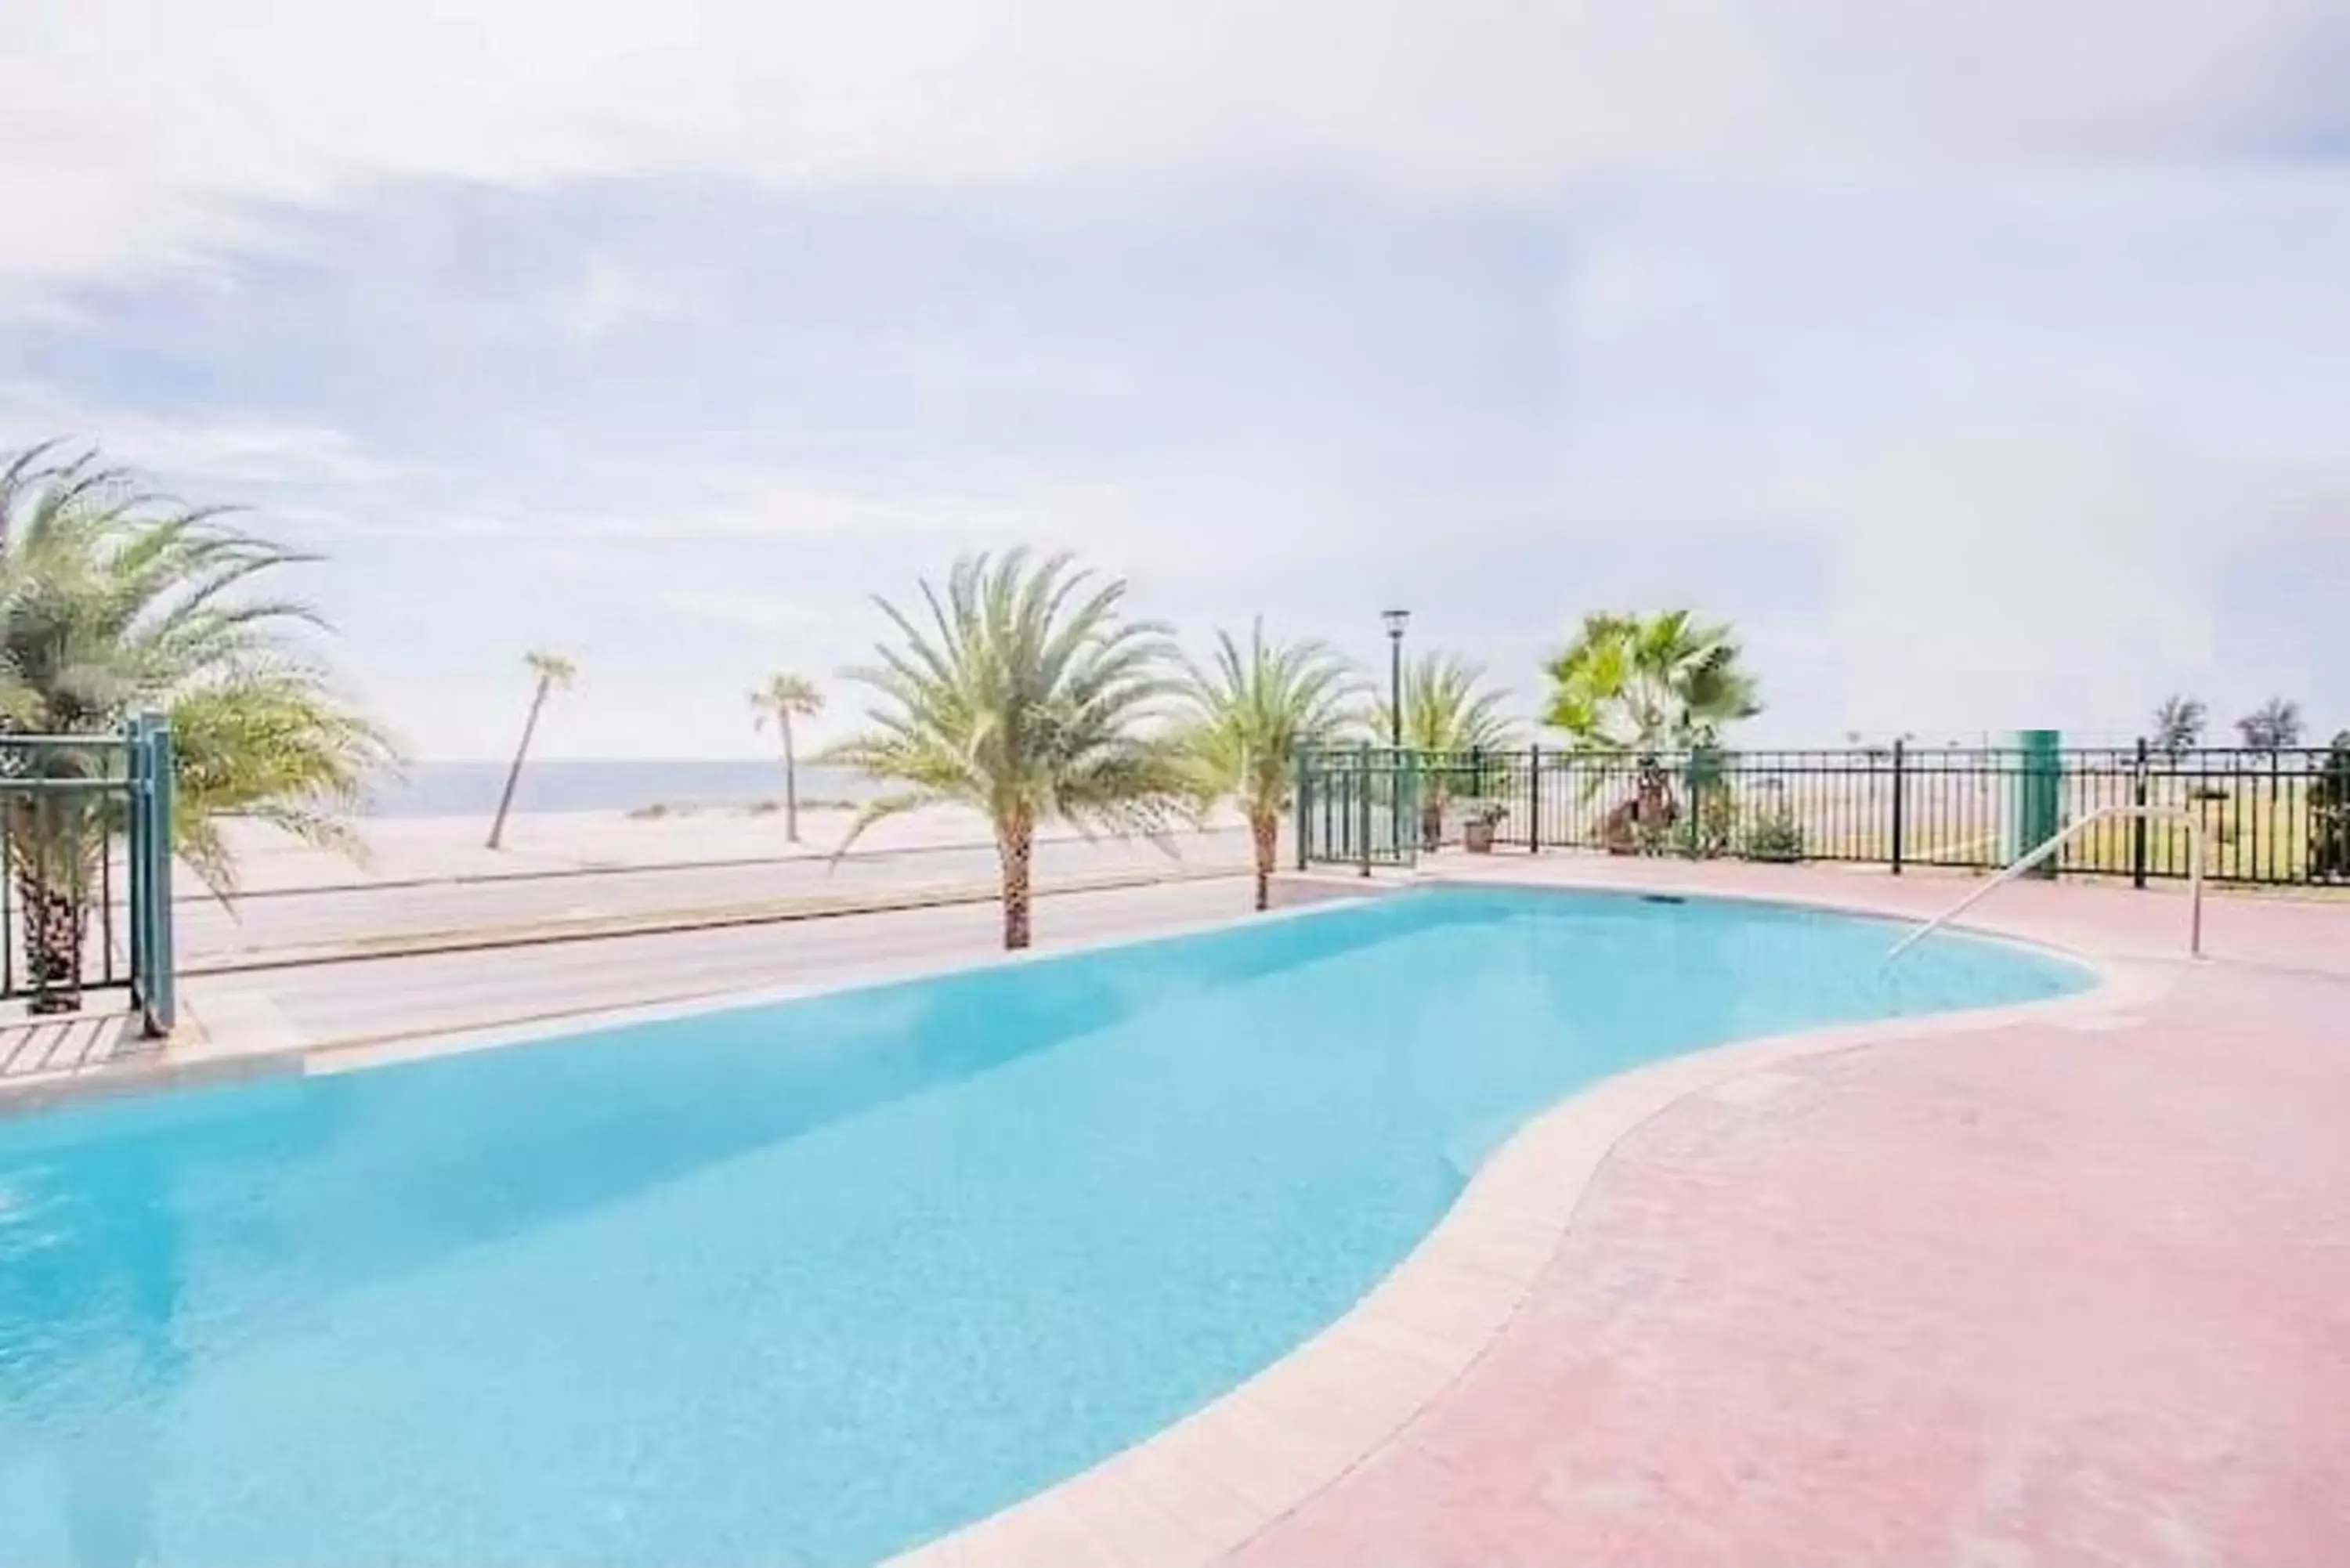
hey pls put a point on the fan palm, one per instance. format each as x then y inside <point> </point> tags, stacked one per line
<point>1024,696</point>
<point>550,672</point>
<point>1633,683</point>
<point>784,698</point>
<point>1254,712</point>
<point>113,602</point>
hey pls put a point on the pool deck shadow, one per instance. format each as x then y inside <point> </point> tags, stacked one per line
<point>2058,1285</point>
<point>36,1052</point>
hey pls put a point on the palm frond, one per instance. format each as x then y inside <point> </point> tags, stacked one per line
<point>114,600</point>
<point>1630,684</point>
<point>1022,694</point>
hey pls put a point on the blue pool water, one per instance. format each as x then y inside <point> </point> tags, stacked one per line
<point>815,1282</point>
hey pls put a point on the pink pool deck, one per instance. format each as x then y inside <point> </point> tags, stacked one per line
<point>2055,1292</point>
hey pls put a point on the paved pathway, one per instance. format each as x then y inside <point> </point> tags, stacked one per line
<point>2031,1298</point>
<point>327,1003</point>
<point>272,925</point>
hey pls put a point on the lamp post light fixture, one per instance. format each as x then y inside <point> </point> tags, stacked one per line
<point>1396,621</point>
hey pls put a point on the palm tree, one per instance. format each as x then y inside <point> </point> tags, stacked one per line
<point>1025,697</point>
<point>1635,684</point>
<point>784,697</point>
<point>114,601</point>
<point>2273,726</point>
<point>551,671</point>
<point>1445,707</point>
<point>1632,685</point>
<point>2177,726</point>
<point>1253,713</point>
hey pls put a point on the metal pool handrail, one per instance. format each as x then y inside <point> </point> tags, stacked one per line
<point>2056,841</point>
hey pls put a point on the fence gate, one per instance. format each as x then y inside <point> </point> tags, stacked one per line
<point>1359,807</point>
<point>85,869</point>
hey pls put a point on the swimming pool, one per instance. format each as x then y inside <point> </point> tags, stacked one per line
<point>814,1282</point>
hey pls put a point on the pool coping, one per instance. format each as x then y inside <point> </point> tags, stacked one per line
<point>1201,1489</point>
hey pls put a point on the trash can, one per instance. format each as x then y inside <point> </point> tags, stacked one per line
<point>2037,812</point>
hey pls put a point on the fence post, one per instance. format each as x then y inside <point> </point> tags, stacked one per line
<point>1363,806</point>
<point>2137,824</point>
<point>134,852</point>
<point>149,741</point>
<point>1404,785</point>
<point>1301,802</point>
<point>1534,798</point>
<point>1901,811</point>
<point>162,1009</point>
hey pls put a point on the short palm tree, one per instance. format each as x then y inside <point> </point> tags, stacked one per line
<point>1446,708</point>
<point>550,672</point>
<point>114,602</point>
<point>1254,712</point>
<point>1633,684</point>
<point>785,697</point>
<point>1026,696</point>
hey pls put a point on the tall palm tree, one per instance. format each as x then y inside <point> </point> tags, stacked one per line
<point>784,697</point>
<point>2177,726</point>
<point>1252,713</point>
<point>114,601</point>
<point>1446,706</point>
<point>551,671</point>
<point>1026,696</point>
<point>1633,684</point>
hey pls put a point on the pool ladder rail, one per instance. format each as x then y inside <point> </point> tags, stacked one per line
<point>2057,841</point>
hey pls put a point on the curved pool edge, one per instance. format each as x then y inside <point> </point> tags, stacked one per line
<point>1199,1489</point>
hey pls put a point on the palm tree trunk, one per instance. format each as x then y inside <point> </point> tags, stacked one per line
<point>513,773</point>
<point>1015,846</point>
<point>54,918</point>
<point>55,907</point>
<point>1264,827</point>
<point>791,779</point>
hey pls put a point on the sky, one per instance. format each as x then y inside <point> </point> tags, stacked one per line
<point>1987,365</point>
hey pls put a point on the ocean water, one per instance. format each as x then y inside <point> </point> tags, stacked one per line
<point>470,789</point>
<point>812,1282</point>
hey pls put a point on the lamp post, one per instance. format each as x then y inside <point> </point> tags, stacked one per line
<point>1395,619</point>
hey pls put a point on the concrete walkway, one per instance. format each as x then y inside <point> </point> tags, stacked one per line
<point>2039,1295</point>
<point>300,926</point>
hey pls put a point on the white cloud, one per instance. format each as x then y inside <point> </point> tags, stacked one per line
<point>755,611</point>
<point>140,131</point>
<point>1984,311</point>
<point>610,296</point>
<point>1991,584</point>
<point>204,452</point>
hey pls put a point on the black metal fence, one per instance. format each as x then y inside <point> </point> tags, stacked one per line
<point>85,869</point>
<point>2277,817</point>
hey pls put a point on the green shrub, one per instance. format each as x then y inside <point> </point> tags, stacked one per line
<point>2329,813</point>
<point>1776,838</point>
